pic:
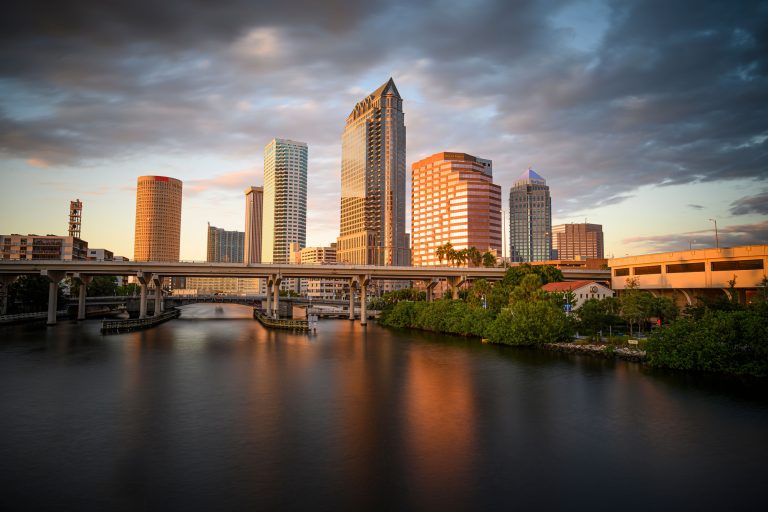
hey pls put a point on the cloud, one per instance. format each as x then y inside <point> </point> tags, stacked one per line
<point>231,181</point>
<point>729,236</point>
<point>656,96</point>
<point>751,204</point>
<point>695,207</point>
<point>38,162</point>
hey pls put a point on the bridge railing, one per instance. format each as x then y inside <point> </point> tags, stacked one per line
<point>20,317</point>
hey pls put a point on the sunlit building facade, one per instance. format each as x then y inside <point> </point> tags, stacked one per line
<point>530,219</point>
<point>454,200</point>
<point>254,211</point>
<point>158,219</point>
<point>42,247</point>
<point>372,227</point>
<point>225,246</point>
<point>577,241</point>
<point>285,199</point>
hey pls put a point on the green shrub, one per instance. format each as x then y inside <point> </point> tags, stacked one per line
<point>719,341</point>
<point>530,323</point>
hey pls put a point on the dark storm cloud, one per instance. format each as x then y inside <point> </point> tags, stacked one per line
<point>666,93</point>
<point>751,204</point>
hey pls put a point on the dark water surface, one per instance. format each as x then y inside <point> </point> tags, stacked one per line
<point>215,413</point>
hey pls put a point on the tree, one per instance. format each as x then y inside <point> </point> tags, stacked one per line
<point>474,256</point>
<point>547,274</point>
<point>631,300</point>
<point>530,323</point>
<point>29,294</point>
<point>489,260</point>
<point>443,251</point>
<point>597,315</point>
<point>763,289</point>
<point>460,257</point>
<point>100,286</point>
<point>528,290</point>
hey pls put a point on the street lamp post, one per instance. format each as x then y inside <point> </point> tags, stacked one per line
<point>717,239</point>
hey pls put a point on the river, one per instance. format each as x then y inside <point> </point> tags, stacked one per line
<point>213,412</point>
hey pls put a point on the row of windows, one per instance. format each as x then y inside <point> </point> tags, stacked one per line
<point>678,268</point>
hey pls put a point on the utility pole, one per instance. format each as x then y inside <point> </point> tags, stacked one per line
<point>717,239</point>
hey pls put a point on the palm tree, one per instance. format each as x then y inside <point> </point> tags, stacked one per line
<point>444,252</point>
<point>474,257</point>
<point>489,260</point>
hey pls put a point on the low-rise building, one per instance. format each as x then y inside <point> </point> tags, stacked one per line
<point>582,290</point>
<point>39,247</point>
<point>101,255</point>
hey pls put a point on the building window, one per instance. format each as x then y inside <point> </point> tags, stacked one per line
<point>644,271</point>
<point>718,266</point>
<point>679,268</point>
<point>620,272</point>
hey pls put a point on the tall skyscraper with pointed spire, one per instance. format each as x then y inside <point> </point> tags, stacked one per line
<point>372,230</point>
<point>530,218</point>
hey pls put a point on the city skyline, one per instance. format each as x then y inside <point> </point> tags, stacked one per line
<point>650,129</point>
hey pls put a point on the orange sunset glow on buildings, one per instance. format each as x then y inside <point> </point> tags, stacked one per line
<point>454,201</point>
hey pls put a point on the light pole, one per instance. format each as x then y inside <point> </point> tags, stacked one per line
<point>717,239</point>
<point>690,244</point>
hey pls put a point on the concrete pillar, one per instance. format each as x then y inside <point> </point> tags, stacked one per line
<point>53,292</point>
<point>158,295</point>
<point>351,299</point>
<point>454,283</point>
<point>276,299</point>
<point>270,280</point>
<point>431,289</point>
<point>84,281</point>
<point>144,279</point>
<point>143,301</point>
<point>363,280</point>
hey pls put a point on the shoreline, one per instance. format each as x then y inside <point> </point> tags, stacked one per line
<point>605,351</point>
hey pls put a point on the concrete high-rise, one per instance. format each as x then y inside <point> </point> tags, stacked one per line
<point>285,199</point>
<point>254,212</point>
<point>530,218</point>
<point>225,246</point>
<point>454,200</point>
<point>372,230</point>
<point>158,219</point>
<point>577,241</point>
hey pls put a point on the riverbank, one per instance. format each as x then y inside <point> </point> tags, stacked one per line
<point>605,351</point>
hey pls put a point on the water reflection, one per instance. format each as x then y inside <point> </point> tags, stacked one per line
<point>202,413</point>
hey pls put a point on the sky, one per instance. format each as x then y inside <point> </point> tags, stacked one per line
<point>648,117</point>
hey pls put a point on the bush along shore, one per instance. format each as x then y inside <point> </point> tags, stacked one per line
<point>716,336</point>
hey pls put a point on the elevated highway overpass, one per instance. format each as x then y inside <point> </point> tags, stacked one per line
<point>358,276</point>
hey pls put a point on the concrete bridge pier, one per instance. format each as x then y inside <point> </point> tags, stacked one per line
<point>430,288</point>
<point>84,281</point>
<point>363,282</point>
<point>352,285</point>
<point>144,279</point>
<point>55,276</point>
<point>158,294</point>
<point>276,299</point>
<point>454,282</point>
